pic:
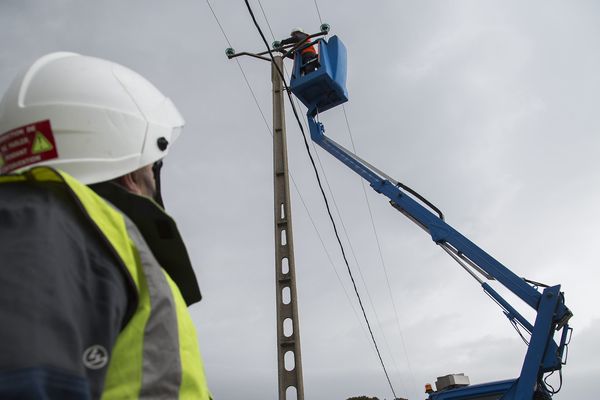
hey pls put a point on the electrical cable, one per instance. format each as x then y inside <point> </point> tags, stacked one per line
<point>549,387</point>
<point>298,190</point>
<point>269,131</point>
<point>318,12</point>
<point>376,238</point>
<point>551,390</point>
<point>262,10</point>
<point>317,155</point>
<point>383,264</point>
<point>238,63</point>
<point>323,194</point>
<point>360,273</point>
<point>397,319</point>
<point>339,214</point>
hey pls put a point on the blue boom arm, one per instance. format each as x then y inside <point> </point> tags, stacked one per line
<point>324,89</point>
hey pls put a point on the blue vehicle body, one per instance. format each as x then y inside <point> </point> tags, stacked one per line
<point>324,89</point>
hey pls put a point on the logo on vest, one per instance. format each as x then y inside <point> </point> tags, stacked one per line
<point>95,357</point>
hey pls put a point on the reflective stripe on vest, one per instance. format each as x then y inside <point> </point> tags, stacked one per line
<point>156,355</point>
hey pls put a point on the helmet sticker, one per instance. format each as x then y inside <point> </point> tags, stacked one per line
<point>26,145</point>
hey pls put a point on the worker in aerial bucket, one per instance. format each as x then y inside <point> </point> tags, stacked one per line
<point>95,278</point>
<point>308,53</point>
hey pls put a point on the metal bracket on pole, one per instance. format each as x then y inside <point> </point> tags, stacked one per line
<point>284,50</point>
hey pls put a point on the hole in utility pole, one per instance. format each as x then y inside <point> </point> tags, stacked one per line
<point>286,295</point>
<point>291,393</point>
<point>282,212</point>
<point>285,265</point>
<point>283,237</point>
<point>288,327</point>
<point>289,361</point>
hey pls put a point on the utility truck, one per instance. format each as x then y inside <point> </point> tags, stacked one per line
<point>323,87</point>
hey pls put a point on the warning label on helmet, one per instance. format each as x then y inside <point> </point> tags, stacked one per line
<point>26,145</point>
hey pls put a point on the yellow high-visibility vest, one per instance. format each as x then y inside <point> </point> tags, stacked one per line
<point>156,355</point>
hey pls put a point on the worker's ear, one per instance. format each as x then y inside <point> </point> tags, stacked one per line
<point>140,182</point>
<point>130,182</point>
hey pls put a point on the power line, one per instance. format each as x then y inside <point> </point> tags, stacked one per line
<point>299,193</point>
<point>334,203</point>
<point>238,62</point>
<point>323,194</point>
<point>339,214</point>
<point>219,23</point>
<point>376,239</point>
<point>318,12</point>
<point>383,264</point>
<point>266,19</point>
<point>358,267</point>
<point>270,132</point>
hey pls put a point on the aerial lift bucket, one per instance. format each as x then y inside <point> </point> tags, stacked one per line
<point>325,87</point>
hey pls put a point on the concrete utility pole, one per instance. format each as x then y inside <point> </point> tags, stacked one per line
<point>289,359</point>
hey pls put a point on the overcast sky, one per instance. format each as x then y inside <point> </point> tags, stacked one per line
<point>491,109</point>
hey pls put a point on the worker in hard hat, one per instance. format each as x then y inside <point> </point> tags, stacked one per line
<point>308,52</point>
<point>95,279</point>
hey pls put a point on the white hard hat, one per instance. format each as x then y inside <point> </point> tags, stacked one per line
<point>105,120</point>
<point>296,30</point>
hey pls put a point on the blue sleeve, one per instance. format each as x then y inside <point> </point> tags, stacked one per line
<point>64,296</point>
<point>42,383</point>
